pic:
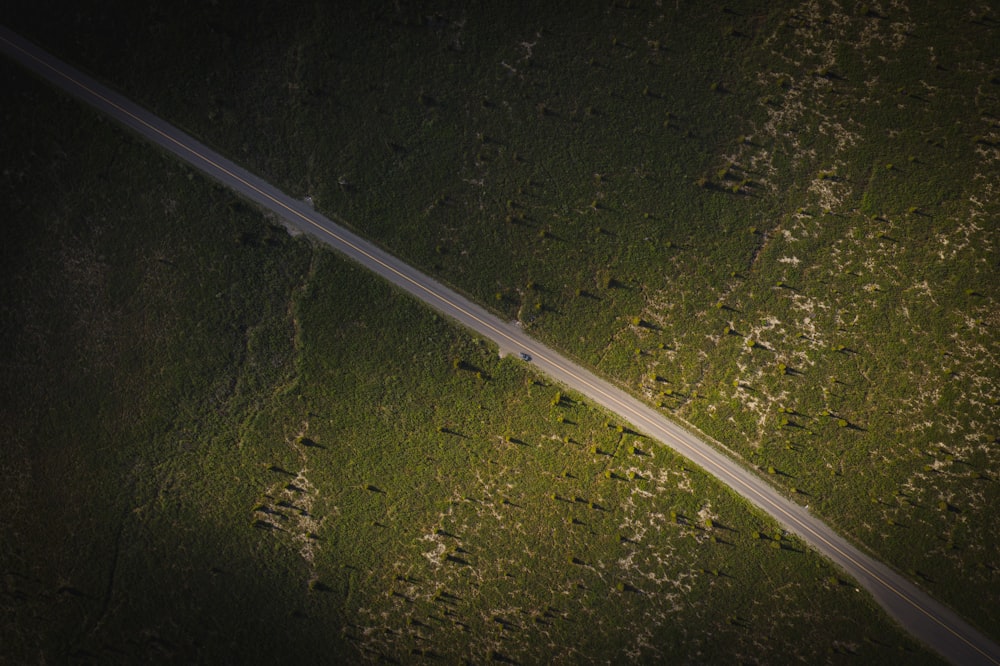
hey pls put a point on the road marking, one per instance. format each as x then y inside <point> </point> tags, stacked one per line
<point>611,398</point>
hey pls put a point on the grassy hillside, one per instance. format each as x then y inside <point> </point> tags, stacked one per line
<point>778,222</point>
<point>222,443</point>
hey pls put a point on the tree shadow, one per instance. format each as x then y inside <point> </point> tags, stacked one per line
<point>583,293</point>
<point>722,526</point>
<point>71,591</point>
<point>469,367</point>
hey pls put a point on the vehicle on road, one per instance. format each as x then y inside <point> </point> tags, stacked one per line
<point>525,357</point>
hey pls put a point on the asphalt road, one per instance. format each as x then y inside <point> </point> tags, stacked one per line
<point>929,621</point>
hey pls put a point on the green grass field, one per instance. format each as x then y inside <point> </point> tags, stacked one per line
<point>779,222</point>
<point>225,444</point>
